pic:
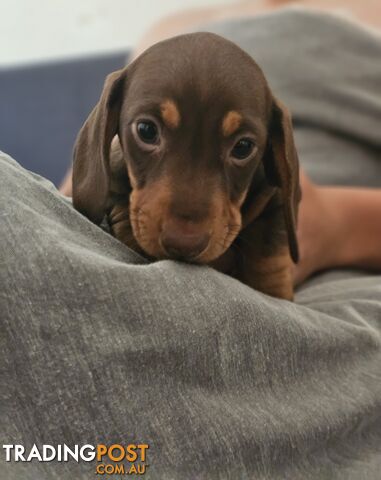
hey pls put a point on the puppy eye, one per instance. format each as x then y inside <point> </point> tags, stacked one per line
<point>147,131</point>
<point>243,148</point>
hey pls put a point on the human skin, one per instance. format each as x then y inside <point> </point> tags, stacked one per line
<point>337,226</point>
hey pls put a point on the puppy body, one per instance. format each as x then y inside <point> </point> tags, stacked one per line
<point>194,160</point>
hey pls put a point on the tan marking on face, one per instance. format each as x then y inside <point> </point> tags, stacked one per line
<point>170,114</point>
<point>231,122</point>
<point>225,224</point>
<point>150,210</point>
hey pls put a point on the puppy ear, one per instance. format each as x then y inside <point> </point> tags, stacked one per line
<point>91,164</point>
<point>282,169</point>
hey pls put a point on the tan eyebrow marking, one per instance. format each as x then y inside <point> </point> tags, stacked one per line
<point>231,122</point>
<point>170,113</point>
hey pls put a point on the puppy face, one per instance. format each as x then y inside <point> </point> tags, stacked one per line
<point>194,116</point>
<point>192,141</point>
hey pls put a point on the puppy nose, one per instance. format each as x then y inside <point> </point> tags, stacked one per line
<point>183,245</point>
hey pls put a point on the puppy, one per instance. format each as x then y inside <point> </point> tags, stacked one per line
<point>190,157</point>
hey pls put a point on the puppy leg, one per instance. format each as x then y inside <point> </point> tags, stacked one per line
<point>270,275</point>
<point>265,262</point>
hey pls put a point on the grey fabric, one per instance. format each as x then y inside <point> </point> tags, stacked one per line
<point>98,346</point>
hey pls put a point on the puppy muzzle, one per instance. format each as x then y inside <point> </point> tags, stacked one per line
<point>183,240</point>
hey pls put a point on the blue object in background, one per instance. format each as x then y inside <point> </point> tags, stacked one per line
<point>42,108</point>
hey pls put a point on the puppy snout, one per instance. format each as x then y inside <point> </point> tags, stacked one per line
<point>183,241</point>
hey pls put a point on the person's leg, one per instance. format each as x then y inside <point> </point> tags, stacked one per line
<point>97,348</point>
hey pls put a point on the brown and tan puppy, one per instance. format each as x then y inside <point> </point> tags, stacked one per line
<point>190,157</point>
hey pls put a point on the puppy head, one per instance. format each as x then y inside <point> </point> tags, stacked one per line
<point>195,119</point>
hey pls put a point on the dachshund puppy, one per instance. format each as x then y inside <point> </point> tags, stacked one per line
<point>191,157</point>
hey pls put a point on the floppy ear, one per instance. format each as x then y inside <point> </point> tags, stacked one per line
<point>282,169</point>
<point>91,164</point>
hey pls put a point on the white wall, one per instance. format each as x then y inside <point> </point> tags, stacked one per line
<point>39,30</point>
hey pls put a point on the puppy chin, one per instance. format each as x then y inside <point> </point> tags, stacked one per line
<point>213,251</point>
<point>209,257</point>
<point>154,249</point>
<point>152,246</point>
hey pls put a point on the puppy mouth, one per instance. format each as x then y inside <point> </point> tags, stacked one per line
<point>194,245</point>
<point>191,240</point>
<point>189,249</point>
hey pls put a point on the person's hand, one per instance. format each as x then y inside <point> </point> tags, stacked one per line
<point>317,231</point>
<point>337,227</point>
